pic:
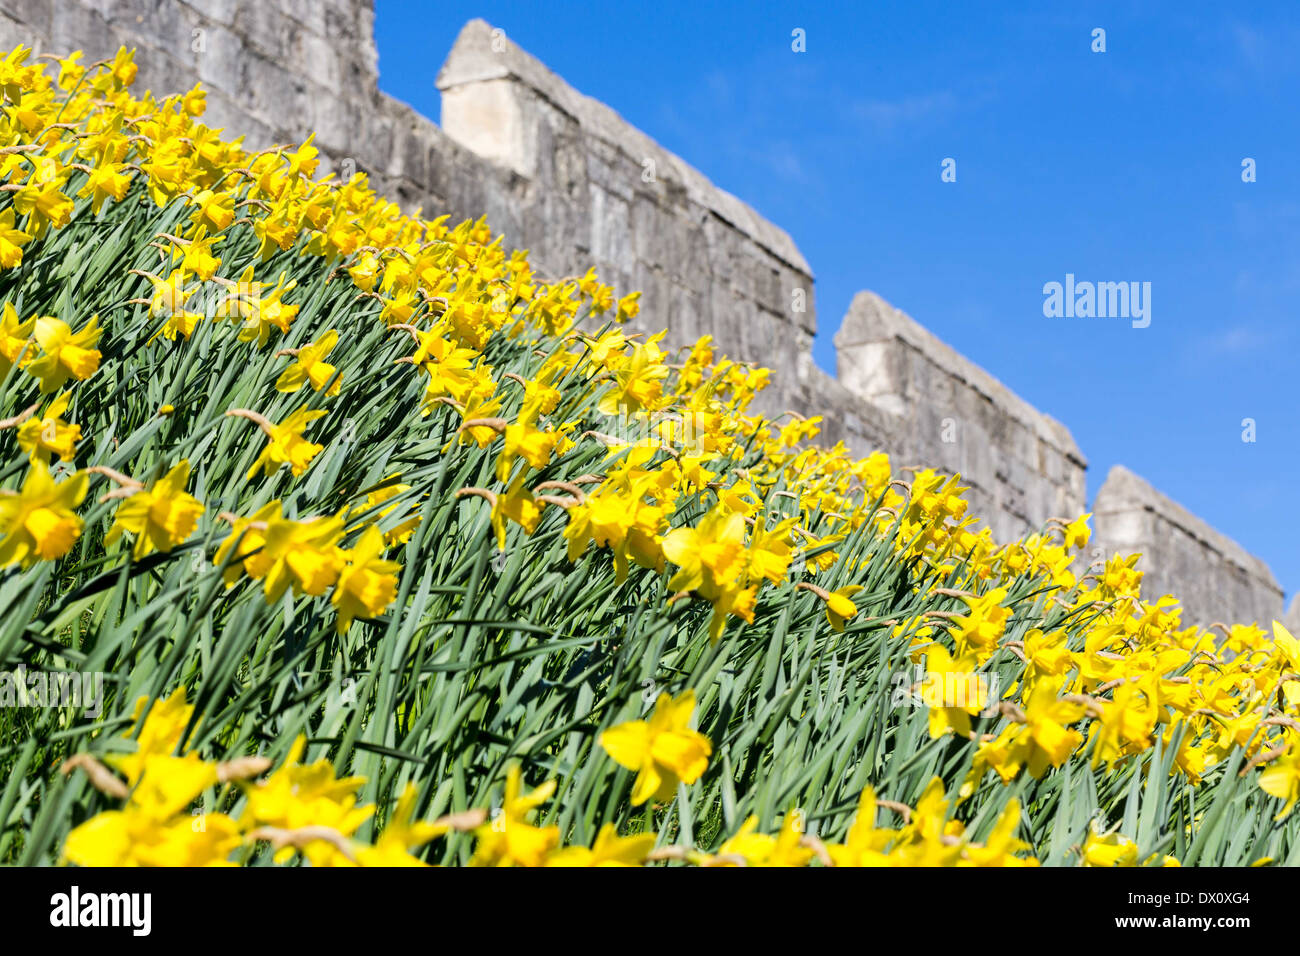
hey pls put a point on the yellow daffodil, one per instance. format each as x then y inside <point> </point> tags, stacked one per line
<point>663,750</point>
<point>16,343</point>
<point>840,607</point>
<point>64,354</point>
<point>367,583</point>
<point>39,522</point>
<point>508,838</point>
<point>610,849</point>
<point>47,434</point>
<point>401,835</point>
<point>160,516</point>
<point>953,691</point>
<point>760,849</point>
<point>1281,779</point>
<point>299,795</point>
<point>310,367</point>
<point>286,445</point>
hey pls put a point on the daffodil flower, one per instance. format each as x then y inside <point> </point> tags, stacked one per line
<point>310,367</point>
<point>610,849</point>
<point>663,750</point>
<point>39,522</point>
<point>47,434</point>
<point>64,354</point>
<point>285,442</point>
<point>367,583</point>
<point>160,516</point>
<point>508,838</point>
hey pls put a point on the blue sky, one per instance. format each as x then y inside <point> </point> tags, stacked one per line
<point>1115,166</point>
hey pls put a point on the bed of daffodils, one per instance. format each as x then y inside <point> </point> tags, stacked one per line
<point>391,551</point>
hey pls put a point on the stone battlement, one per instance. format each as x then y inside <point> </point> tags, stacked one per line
<point>564,176</point>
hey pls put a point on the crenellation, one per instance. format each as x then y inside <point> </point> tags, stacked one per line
<point>1021,465</point>
<point>1213,576</point>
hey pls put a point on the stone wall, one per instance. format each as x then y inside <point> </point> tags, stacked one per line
<point>613,197</point>
<point>1213,576</point>
<point>565,177</point>
<point>274,70</point>
<point>947,413</point>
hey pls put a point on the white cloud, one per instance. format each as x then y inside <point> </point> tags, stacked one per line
<point>887,115</point>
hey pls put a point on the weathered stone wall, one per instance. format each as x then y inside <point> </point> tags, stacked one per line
<point>947,413</point>
<point>565,177</point>
<point>274,70</point>
<point>1214,577</point>
<point>614,197</point>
